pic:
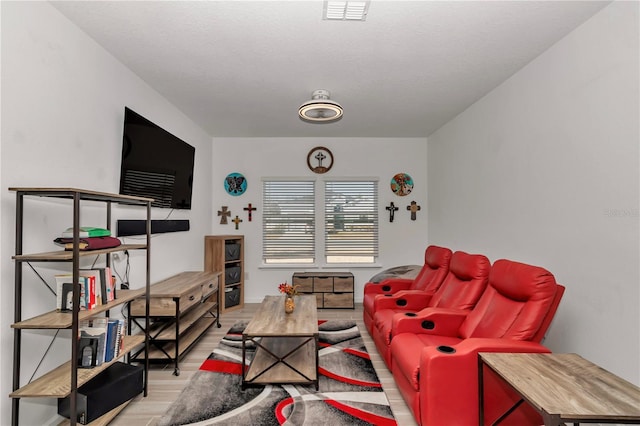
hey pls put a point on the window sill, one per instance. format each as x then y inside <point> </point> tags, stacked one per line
<point>306,266</point>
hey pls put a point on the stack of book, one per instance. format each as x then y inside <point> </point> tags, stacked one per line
<point>90,239</point>
<point>97,287</point>
<point>100,340</point>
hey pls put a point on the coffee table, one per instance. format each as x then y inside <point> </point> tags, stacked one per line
<point>286,344</point>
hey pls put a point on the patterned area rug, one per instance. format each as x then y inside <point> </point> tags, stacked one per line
<point>349,390</point>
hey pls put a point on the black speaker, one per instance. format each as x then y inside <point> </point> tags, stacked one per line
<point>112,387</point>
<point>125,228</point>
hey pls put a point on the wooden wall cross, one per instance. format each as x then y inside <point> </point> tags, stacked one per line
<point>392,209</point>
<point>224,213</point>
<point>413,208</point>
<point>250,209</point>
<point>237,221</point>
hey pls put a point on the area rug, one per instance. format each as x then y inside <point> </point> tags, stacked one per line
<point>349,390</point>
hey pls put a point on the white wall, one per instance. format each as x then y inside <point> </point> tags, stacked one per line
<point>545,170</point>
<point>63,101</point>
<point>401,242</point>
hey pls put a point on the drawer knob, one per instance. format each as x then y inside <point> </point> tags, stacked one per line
<point>192,297</point>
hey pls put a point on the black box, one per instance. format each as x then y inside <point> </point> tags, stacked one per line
<point>231,297</point>
<point>231,251</point>
<point>232,274</point>
<point>109,389</point>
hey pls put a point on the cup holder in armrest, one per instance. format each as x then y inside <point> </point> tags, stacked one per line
<point>386,288</point>
<point>411,314</point>
<point>401,302</point>
<point>446,349</point>
<point>428,325</point>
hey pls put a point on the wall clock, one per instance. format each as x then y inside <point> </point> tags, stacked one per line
<point>235,184</point>
<point>320,159</point>
<point>401,184</point>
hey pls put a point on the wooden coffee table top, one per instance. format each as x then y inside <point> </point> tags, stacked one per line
<point>271,320</point>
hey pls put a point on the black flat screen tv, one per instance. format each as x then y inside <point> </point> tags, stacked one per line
<point>155,163</point>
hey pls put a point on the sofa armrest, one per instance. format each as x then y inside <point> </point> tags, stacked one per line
<point>390,285</point>
<point>449,379</point>
<point>439,321</point>
<point>410,300</point>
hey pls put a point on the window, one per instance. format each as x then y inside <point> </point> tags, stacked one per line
<point>351,221</point>
<point>339,219</point>
<point>288,221</point>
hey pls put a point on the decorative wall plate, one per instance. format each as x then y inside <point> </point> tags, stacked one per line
<point>401,184</point>
<point>235,184</point>
<point>320,159</point>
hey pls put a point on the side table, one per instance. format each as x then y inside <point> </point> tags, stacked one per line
<point>566,388</point>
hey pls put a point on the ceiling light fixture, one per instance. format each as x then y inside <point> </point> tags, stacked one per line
<point>320,109</point>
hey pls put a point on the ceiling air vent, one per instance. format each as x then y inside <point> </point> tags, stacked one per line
<point>346,10</point>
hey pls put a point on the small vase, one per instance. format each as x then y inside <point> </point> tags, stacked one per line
<point>289,304</point>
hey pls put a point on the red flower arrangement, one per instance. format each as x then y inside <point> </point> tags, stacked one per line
<point>289,290</point>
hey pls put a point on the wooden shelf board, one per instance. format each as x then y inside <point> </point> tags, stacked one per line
<point>103,420</point>
<point>62,320</point>
<point>186,321</point>
<point>67,255</point>
<point>57,383</point>
<point>83,194</point>
<point>186,340</point>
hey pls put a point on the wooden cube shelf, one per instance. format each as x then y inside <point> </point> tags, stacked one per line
<point>333,290</point>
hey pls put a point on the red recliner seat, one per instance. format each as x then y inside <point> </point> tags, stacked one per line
<point>434,355</point>
<point>462,287</point>
<point>429,279</point>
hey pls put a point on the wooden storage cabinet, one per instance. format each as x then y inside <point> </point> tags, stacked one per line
<point>225,253</point>
<point>181,309</point>
<point>333,290</point>
<point>65,380</point>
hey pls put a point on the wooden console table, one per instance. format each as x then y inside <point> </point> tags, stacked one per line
<point>563,388</point>
<point>181,310</point>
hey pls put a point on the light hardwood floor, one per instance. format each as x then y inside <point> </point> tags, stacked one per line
<point>164,387</point>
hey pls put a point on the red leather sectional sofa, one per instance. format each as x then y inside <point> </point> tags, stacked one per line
<point>430,340</point>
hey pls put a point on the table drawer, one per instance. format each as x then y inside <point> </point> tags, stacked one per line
<point>338,300</point>
<point>343,284</point>
<point>305,284</point>
<point>209,288</point>
<point>166,306</point>
<point>322,284</point>
<point>190,299</point>
<point>158,307</point>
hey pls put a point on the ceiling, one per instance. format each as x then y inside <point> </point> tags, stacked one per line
<point>242,68</point>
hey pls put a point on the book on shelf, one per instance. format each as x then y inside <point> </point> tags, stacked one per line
<point>97,288</point>
<point>93,341</point>
<point>104,284</point>
<point>87,231</point>
<point>120,333</point>
<point>112,339</point>
<point>89,243</point>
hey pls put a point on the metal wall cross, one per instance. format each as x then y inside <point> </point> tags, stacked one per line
<point>237,221</point>
<point>413,208</point>
<point>250,209</point>
<point>224,213</point>
<point>392,209</point>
